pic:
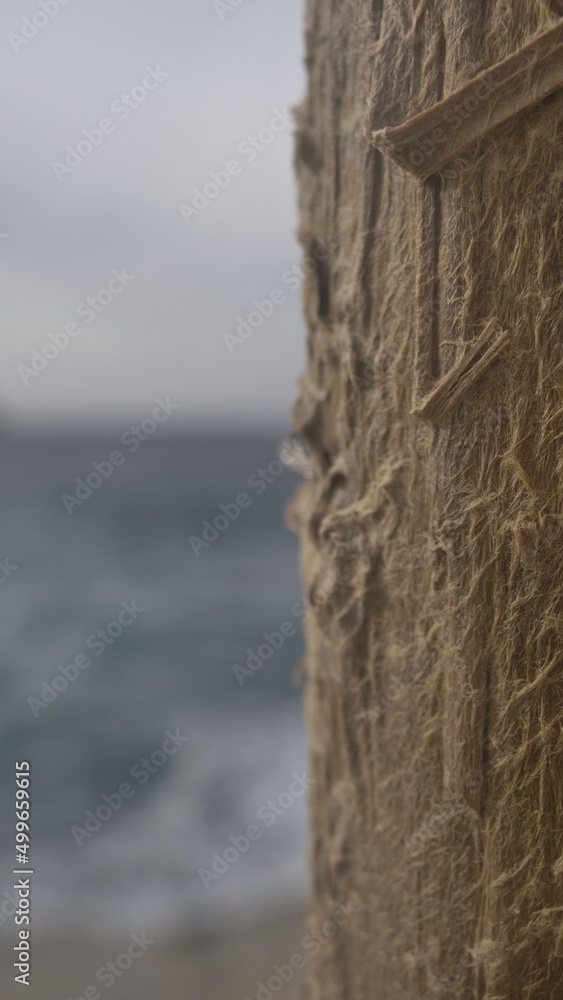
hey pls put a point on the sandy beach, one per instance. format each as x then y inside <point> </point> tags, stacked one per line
<point>227,965</point>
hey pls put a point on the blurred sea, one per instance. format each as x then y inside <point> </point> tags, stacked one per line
<point>171,669</point>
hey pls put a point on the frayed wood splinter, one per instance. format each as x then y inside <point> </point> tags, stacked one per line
<point>437,406</point>
<point>426,143</point>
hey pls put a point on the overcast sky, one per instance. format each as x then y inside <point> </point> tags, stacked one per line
<point>71,222</point>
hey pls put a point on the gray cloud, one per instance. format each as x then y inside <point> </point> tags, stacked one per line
<point>119,209</point>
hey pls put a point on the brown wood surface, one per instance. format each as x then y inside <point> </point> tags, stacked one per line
<point>432,550</point>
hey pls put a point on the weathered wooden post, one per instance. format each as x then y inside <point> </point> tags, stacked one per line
<point>430,160</point>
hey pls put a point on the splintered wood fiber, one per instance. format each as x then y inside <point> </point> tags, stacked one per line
<point>432,526</point>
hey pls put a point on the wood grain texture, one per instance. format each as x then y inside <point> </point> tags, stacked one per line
<point>435,137</point>
<point>432,553</point>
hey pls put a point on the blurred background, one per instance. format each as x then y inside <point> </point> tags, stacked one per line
<point>151,625</point>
